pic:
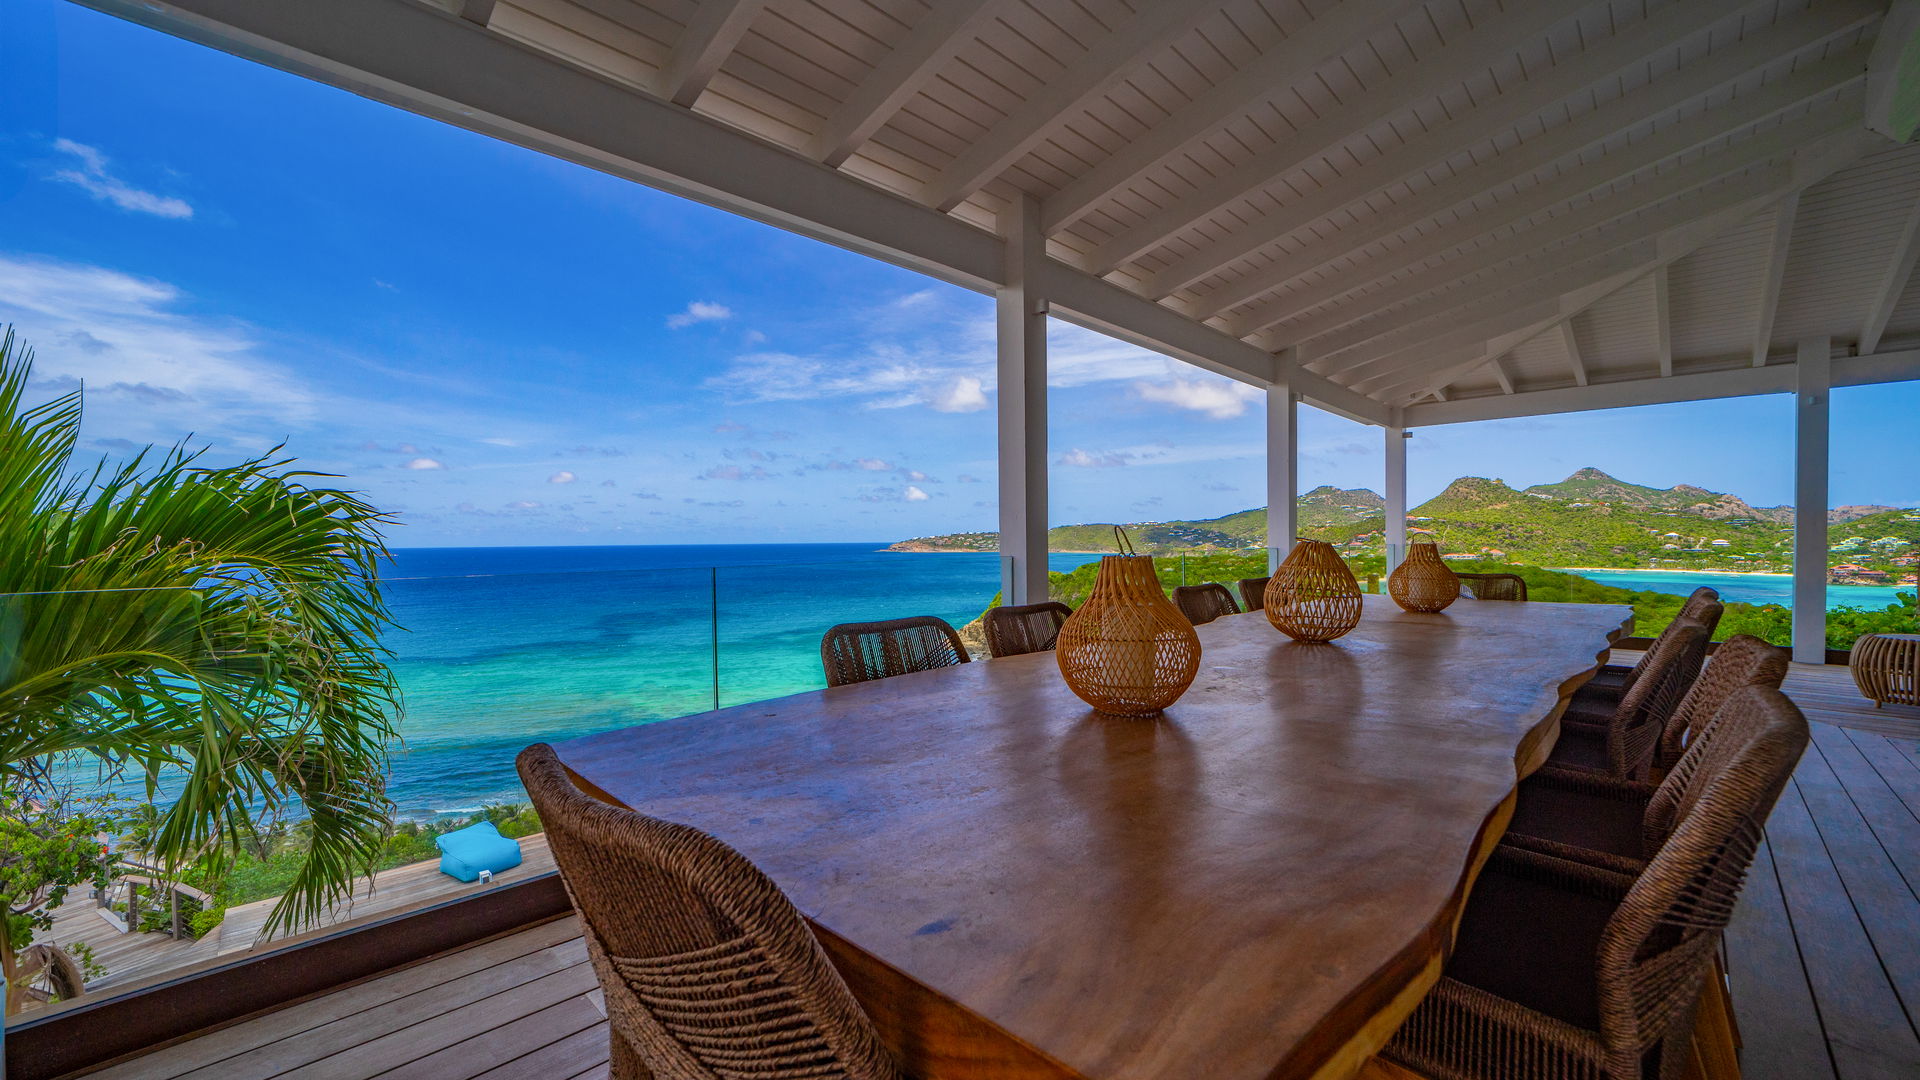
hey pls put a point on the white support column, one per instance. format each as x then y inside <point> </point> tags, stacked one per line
<point>1810,501</point>
<point>1283,470</point>
<point>1396,437</point>
<point>1021,321</point>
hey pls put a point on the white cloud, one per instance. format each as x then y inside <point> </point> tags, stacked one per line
<point>129,341</point>
<point>1094,459</point>
<point>914,494</point>
<point>422,464</point>
<point>962,393</point>
<point>498,440</point>
<point>1220,398</point>
<point>562,477</point>
<point>873,464</point>
<point>91,176</point>
<point>698,312</point>
<point>523,504</point>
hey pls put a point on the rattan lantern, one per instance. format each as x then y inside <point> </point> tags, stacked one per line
<point>1422,582</point>
<point>1313,596</point>
<point>1128,651</point>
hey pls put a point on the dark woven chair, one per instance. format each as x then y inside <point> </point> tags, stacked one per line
<point>1253,593</point>
<point>1494,586</point>
<point>1202,604</point>
<point>1602,694</point>
<point>1613,679</point>
<point>1621,744</point>
<point>1025,628</point>
<point>1619,824</point>
<point>862,652</point>
<point>1563,971</point>
<point>708,969</point>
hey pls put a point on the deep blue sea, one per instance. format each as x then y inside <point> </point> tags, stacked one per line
<point>507,646</point>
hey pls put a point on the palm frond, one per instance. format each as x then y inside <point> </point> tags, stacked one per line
<point>219,627</point>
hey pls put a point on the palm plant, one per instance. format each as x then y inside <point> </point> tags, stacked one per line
<point>214,632</point>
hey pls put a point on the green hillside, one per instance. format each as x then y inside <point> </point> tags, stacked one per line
<point>1588,519</point>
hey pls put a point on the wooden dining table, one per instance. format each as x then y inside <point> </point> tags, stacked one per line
<point>1260,883</point>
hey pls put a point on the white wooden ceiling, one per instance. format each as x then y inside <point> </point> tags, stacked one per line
<point>1420,198</point>
<point>1412,200</point>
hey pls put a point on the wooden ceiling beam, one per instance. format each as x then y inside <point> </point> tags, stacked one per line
<point>1440,72</point>
<point>1087,77</point>
<point>1571,343</point>
<point>1663,322</point>
<point>1409,342</point>
<point>1330,35</point>
<point>1577,180</point>
<point>1892,283</point>
<point>946,28</point>
<point>709,38</point>
<point>1642,210</point>
<point>1776,273</point>
<point>1498,116</point>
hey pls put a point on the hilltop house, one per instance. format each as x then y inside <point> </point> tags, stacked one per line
<point>1409,213</point>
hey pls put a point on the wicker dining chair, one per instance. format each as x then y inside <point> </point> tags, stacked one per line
<point>1702,606</point>
<point>1253,593</point>
<point>1202,604</point>
<point>1741,660</point>
<point>708,969</point>
<point>1494,586</point>
<point>1620,824</point>
<point>1024,628</point>
<point>1562,971</point>
<point>1621,744</point>
<point>862,652</point>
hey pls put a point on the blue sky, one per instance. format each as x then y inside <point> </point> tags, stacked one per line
<point>509,349</point>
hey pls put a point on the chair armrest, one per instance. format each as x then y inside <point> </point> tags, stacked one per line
<point>1567,874</point>
<point>1632,792</point>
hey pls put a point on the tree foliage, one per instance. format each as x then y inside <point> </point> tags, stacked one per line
<point>212,632</point>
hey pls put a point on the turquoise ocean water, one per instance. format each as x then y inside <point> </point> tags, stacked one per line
<point>1742,588</point>
<point>507,646</point>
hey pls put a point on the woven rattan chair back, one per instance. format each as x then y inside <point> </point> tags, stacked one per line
<point>1641,718</point>
<point>1024,628</point>
<point>862,652</point>
<point>1253,592</point>
<point>1494,586</point>
<point>1202,604</point>
<point>1741,660</point>
<point>709,971</point>
<point>1695,608</point>
<point>1657,949</point>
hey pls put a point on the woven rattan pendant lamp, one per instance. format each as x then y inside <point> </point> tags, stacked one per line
<point>1128,651</point>
<point>1422,582</point>
<point>1313,596</point>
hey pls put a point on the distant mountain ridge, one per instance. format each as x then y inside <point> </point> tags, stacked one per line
<point>1589,519</point>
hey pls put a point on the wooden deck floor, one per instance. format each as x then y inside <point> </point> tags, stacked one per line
<point>1824,953</point>
<point>130,957</point>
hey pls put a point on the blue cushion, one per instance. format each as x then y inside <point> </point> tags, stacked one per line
<point>466,852</point>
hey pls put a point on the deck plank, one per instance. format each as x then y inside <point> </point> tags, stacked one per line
<point>284,1024</point>
<point>1885,904</point>
<point>581,1052</point>
<point>1866,1026</point>
<point>1772,1001</point>
<point>504,1044</point>
<point>1897,766</point>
